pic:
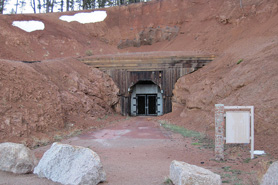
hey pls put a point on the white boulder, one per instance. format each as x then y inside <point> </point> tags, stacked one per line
<point>68,164</point>
<point>271,176</point>
<point>182,173</point>
<point>16,158</point>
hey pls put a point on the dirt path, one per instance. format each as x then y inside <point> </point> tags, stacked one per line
<point>138,151</point>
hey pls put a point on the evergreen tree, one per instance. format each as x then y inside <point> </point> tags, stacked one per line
<point>88,4</point>
<point>2,3</point>
<point>61,5</point>
<point>39,5</point>
<point>16,6</point>
<point>22,4</point>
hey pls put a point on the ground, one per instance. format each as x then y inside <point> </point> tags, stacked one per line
<point>138,150</point>
<point>58,96</point>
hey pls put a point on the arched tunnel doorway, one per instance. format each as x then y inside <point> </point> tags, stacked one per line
<point>146,81</point>
<point>146,99</point>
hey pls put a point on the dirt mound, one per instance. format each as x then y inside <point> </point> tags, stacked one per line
<point>59,39</point>
<point>243,73</point>
<point>235,79</point>
<point>44,97</point>
<point>244,40</point>
<point>242,36</point>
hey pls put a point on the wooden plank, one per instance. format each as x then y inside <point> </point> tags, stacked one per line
<point>126,72</point>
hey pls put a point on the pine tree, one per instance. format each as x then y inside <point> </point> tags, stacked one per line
<point>2,3</point>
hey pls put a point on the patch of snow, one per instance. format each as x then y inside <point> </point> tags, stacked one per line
<point>29,26</point>
<point>92,17</point>
<point>259,152</point>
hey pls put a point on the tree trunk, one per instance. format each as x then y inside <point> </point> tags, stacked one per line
<point>2,3</point>
<point>47,6</point>
<point>67,5</point>
<point>72,5</point>
<point>52,5</point>
<point>62,5</point>
<point>33,5</point>
<point>39,6</point>
<point>16,6</point>
<point>84,3</point>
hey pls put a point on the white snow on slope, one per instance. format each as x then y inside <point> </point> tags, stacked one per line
<point>92,17</point>
<point>259,152</point>
<point>29,26</point>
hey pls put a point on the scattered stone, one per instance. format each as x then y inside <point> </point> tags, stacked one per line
<point>223,19</point>
<point>182,173</point>
<point>68,164</point>
<point>150,36</point>
<point>271,176</point>
<point>16,158</point>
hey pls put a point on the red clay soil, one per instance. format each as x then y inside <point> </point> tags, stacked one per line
<point>139,151</point>
<point>55,95</point>
<point>40,100</point>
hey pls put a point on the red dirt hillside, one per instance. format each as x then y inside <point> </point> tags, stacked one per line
<point>40,99</point>
<point>220,27</point>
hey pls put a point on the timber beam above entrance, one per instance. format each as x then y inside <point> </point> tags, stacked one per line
<point>146,80</point>
<point>147,63</point>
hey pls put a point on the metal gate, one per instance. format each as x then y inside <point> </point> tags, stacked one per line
<point>146,104</point>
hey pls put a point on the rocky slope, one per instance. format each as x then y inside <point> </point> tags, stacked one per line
<point>244,72</point>
<point>221,27</point>
<point>40,98</point>
<point>254,81</point>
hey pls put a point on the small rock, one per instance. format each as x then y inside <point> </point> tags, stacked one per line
<point>271,176</point>
<point>68,164</point>
<point>223,19</point>
<point>16,158</point>
<point>182,173</point>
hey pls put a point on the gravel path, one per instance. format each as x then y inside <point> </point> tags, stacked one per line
<point>136,151</point>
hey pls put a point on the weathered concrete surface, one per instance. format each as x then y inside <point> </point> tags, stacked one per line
<point>71,165</point>
<point>271,176</point>
<point>16,158</point>
<point>182,173</point>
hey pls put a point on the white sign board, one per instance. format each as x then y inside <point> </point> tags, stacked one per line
<point>237,127</point>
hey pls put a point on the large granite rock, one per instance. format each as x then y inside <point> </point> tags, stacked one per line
<point>16,158</point>
<point>71,165</point>
<point>182,173</point>
<point>271,176</point>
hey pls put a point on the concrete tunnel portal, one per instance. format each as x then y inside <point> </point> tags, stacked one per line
<point>146,99</point>
<point>146,82</point>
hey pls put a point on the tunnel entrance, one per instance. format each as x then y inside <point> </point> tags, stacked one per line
<point>146,99</point>
<point>146,104</point>
<point>146,80</point>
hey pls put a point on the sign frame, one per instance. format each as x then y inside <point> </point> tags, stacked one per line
<point>251,109</point>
